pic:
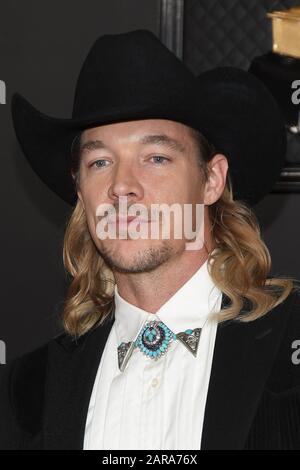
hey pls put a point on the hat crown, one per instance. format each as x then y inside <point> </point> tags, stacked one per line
<point>127,69</point>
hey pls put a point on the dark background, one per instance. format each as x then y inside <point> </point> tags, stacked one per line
<point>42,47</point>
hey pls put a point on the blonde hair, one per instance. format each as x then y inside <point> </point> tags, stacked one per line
<point>239,264</point>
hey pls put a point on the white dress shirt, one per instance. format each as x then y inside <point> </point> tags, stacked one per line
<point>160,404</point>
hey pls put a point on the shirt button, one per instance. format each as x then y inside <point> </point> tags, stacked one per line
<point>154,382</point>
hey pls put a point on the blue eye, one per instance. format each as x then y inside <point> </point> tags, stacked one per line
<point>160,157</point>
<point>96,163</point>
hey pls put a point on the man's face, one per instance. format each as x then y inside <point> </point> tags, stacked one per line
<point>151,161</point>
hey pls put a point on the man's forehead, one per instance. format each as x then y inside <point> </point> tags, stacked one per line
<point>138,127</point>
<point>144,132</point>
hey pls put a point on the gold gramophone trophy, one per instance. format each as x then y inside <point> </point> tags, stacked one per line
<point>279,69</point>
<point>286,32</point>
<point>286,42</point>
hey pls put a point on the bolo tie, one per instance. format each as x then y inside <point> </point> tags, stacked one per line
<point>154,340</point>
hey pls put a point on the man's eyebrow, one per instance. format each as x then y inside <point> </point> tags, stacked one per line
<point>163,139</point>
<point>158,139</point>
<point>90,145</point>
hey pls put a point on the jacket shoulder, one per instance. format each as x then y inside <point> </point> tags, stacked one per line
<point>286,369</point>
<point>23,386</point>
<point>277,421</point>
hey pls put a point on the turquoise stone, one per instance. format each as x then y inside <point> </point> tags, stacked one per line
<point>188,332</point>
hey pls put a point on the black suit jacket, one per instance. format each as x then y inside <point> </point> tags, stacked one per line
<point>253,399</point>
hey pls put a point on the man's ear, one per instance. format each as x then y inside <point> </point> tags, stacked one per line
<point>214,186</point>
<point>80,197</point>
<point>76,186</point>
<point>79,194</point>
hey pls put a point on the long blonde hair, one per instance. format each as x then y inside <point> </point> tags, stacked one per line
<point>239,265</point>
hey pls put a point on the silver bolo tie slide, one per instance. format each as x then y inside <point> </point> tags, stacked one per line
<point>154,340</point>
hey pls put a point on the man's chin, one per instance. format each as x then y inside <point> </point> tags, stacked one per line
<point>130,265</point>
<point>137,260</point>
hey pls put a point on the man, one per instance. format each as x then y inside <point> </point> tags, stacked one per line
<point>167,344</point>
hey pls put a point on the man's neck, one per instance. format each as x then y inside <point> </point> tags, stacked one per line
<point>149,291</point>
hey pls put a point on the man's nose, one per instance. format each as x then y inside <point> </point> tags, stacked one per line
<point>125,182</point>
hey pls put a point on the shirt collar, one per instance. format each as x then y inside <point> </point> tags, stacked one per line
<point>188,308</point>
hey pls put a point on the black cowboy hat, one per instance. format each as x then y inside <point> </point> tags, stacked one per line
<point>133,76</point>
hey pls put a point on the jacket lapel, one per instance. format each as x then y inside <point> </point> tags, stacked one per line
<point>71,374</point>
<point>243,357</point>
